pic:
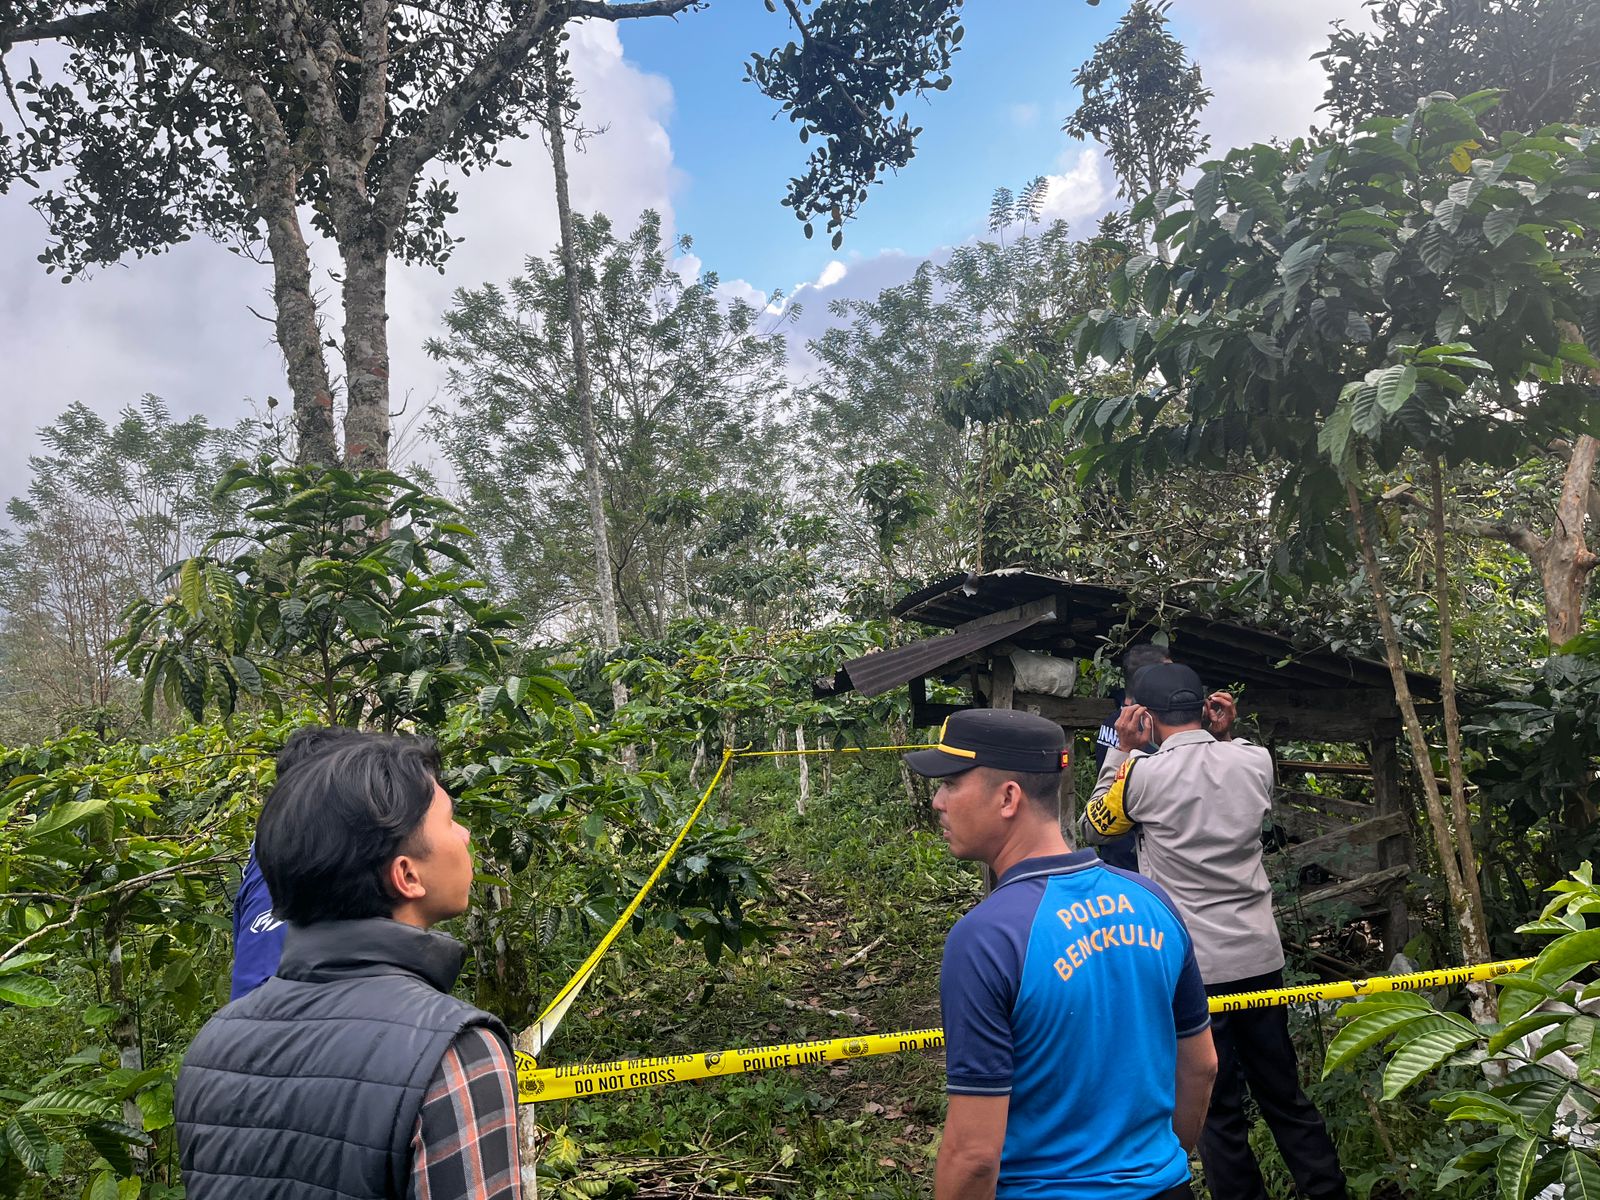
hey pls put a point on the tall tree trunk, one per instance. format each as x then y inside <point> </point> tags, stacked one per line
<point>582,380</point>
<point>124,1030</point>
<point>366,349</point>
<point>298,334</point>
<point>1474,938</point>
<point>1567,559</point>
<point>1452,714</point>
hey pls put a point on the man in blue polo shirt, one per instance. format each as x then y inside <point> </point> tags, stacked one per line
<point>1077,1039</point>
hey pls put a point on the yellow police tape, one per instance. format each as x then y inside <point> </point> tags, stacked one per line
<point>536,1084</point>
<point>537,1036</point>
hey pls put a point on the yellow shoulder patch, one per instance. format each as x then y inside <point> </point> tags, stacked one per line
<point>1108,815</point>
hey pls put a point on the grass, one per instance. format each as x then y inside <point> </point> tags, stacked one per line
<point>865,892</point>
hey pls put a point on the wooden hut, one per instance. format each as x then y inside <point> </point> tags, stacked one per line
<point>1343,830</point>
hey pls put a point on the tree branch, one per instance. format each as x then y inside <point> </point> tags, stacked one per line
<point>372,107</point>
<point>408,155</point>
<point>127,885</point>
<point>626,12</point>
<point>1517,536</point>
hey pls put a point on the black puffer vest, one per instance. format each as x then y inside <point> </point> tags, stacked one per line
<point>310,1086</point>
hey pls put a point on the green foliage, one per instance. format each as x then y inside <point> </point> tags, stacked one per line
<point>128,497</point>
<point>855,59</point>
<point>1142,101</point>
<point>1535,51</point>
<point>688,440</point>
<point>1536,1100</point>
<point>1357,293</point>
<point>346,588</point>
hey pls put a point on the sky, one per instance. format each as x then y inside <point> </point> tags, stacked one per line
<point>681,133</point>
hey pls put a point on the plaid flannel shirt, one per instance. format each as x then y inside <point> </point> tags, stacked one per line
<point>465,1145</point>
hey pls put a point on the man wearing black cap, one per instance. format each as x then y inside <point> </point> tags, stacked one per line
<point>1197,805</point>
<point>1063,949</point>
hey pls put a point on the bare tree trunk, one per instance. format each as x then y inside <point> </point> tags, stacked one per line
<point>124,1030</point>
<point>298,334</point>
<point>1474,938</point>
<point>528,1129</point>
<point>366,350</point>
<point>583,380</point>
<point>804,796</point>
<point>1452,714</point>
<point>1567,560</point>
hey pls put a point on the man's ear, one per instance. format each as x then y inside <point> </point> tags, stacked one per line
<point>404,881</point>
<point>1011,798</point>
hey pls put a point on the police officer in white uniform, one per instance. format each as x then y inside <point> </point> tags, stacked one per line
<point>1197,806</point>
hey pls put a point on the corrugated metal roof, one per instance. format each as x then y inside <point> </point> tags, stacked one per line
<point>874,674</point>
<point>1089,617</point>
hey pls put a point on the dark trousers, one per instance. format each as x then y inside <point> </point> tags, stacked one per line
<point>1254,1051</point>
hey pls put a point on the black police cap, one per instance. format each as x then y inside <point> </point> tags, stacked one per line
<point>1167,688</point>
<point>993,737</point>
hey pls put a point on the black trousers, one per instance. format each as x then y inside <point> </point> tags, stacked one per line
<point>1254,1051</point>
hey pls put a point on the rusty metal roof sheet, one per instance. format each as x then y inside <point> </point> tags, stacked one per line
<point>874,674</point>
<point>1089,617</point>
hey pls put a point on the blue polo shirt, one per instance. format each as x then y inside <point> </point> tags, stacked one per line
<point>257,934</point>
<point>1067,990</point>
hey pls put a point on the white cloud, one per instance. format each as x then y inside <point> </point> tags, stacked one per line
<point>1081,191</point>
<point>831,274</point>
<point>180,325</point>
<point>1255,56</point>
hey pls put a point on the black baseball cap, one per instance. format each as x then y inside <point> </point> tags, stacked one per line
<point>993,737</point>
<point>1167,688</point>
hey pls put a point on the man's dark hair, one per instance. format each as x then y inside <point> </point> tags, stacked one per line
<point>1042,788</point>
<point>335,821</point>
<point>310,740</point>
<point>1179,716</point>
<point>1138,657</point>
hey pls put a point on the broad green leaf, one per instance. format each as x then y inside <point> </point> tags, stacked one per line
<point>1368,1028</point>
<point>1513,1168</point>
<point>23,961</point>
<point>1499,225</point>
<point>1422,1054</point>
<point>1333,439</point>
<point>65,816</point>
<point>1573,950</point>
<point>1523,1026</point>
<point>1298,263</point>
<point>28,991</point>
<point>1394,387</point>
<point>68,1102</point>
<point>191,588</point>
<point>29,1142</point>
<point>1580,1176</point>
<point>1437,249</point>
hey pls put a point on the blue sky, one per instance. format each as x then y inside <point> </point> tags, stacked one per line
<point>998,124</point>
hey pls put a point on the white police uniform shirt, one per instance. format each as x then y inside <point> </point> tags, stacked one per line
<point>1198,805</point>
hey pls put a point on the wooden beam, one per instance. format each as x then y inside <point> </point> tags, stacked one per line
<point>1070,712</point>
<point>1373,882</point>
<point>1365,834</point>
<point>1044,610</point>
<point>1353,809</point>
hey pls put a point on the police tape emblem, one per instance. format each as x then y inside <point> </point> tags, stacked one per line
<point>713,1058</point>
<point>854,1048</point>
<point>533,1086</point>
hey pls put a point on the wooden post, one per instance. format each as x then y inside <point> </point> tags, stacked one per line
<point>1003,687</point>
<point>804,796</point>
<point>1388,797</point>
<point>1069,792</point>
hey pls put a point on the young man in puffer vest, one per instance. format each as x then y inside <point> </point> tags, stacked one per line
<point>353,1072</point>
